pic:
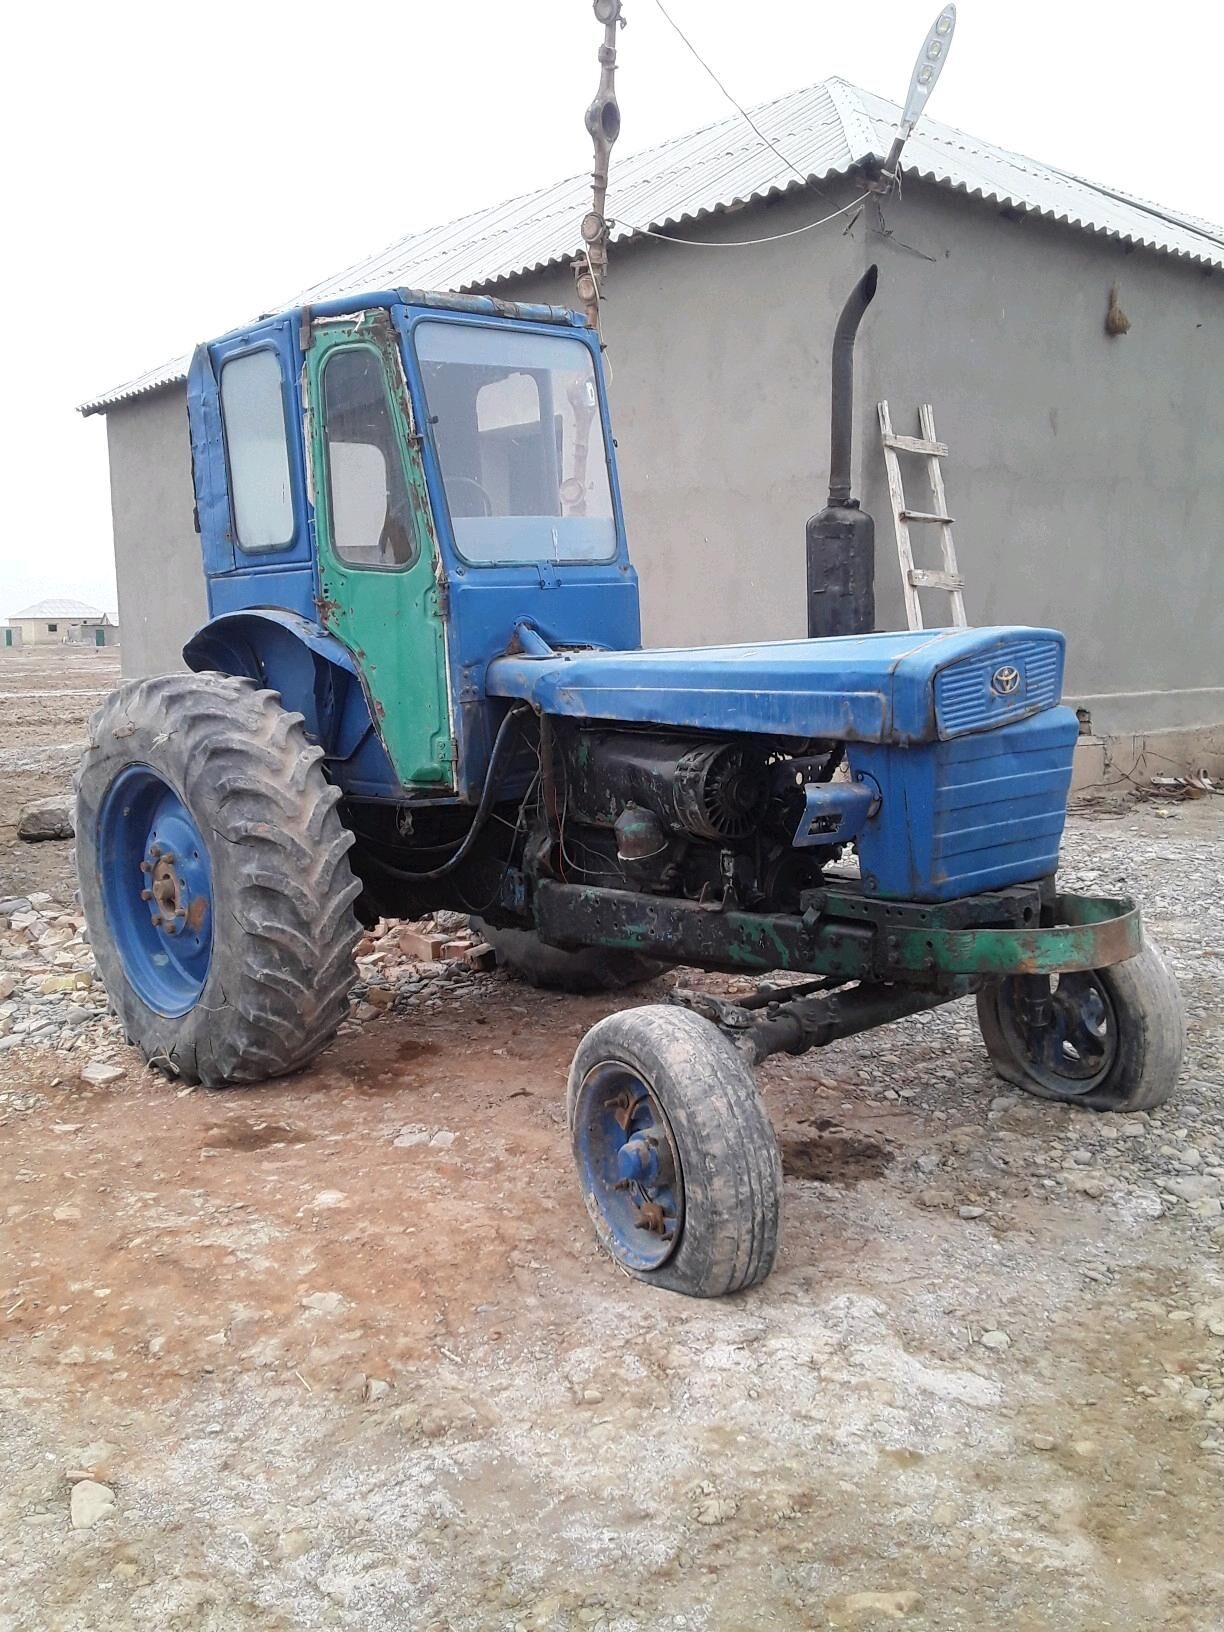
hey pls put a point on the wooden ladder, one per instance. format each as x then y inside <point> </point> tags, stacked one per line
<point>915,578</point>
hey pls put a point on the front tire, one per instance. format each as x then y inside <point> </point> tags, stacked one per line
<point>215,878</point>
<point>1112,1038</point>
<point>675,1152</point>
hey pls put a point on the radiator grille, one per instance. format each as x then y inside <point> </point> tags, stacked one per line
<point>977,813</point>
<point>1007,684</point>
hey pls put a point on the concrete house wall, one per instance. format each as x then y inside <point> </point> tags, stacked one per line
<point>157,549</point>
<point>41,631</point>
<point>56,631</point>
<point>718,365</point>
<point>94,634</point>
<point>1083,473</point>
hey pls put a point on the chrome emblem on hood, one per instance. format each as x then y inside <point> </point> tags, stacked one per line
<point>1005,682</point>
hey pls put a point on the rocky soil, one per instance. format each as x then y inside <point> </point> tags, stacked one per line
<point>340,1351</point>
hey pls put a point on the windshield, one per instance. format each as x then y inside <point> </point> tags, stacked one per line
<point>517,427</point>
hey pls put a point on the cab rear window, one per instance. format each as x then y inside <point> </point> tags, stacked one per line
<point>257,450</point>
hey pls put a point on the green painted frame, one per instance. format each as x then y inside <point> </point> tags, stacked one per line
<point>1087,932</point>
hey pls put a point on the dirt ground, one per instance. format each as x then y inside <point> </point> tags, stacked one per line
<point>46,697</point>
<point>336,1381</point>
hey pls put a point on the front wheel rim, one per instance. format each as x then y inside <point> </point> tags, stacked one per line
<point>629,1166</point>
<point>1063,1028</point>
<point>156,882</point>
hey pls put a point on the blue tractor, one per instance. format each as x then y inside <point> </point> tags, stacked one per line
<point>422,686</point>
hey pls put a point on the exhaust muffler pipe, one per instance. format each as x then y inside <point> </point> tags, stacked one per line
<point>841,401</point>
<point>841,539</point>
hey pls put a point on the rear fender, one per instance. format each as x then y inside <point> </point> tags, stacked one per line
<point>317,676</point>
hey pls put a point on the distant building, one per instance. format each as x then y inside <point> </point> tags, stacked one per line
<point>54,623</point>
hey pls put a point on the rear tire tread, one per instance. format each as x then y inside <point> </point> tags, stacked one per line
<point>279,857</point>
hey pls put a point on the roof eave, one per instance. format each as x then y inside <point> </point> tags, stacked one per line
<point>126,394</point>
<point>1064,219</point>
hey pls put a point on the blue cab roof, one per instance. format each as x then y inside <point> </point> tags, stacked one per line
<point>474,305</point>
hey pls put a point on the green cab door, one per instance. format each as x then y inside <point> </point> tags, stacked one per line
<point>378,563</point>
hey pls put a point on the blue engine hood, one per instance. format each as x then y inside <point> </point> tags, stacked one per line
<point>899,688</point>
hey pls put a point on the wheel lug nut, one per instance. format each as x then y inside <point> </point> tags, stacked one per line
<point>167,855</point>
<point>156,920</point>
<point>145,867</point>
<point>172,929</point>
<point>146,895</point>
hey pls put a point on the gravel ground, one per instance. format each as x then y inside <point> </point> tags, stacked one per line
<point>340,1351</point>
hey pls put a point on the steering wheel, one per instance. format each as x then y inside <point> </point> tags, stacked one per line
<point>482,495</point>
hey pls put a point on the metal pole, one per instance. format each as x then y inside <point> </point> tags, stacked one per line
<point>603,123</point>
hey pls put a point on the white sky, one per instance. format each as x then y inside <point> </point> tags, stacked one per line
<point>171,169</point>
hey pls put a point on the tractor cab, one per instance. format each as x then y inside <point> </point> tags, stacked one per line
<point>399,480</point>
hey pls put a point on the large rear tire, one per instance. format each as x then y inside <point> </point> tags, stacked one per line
<point>215,878</point>
<point>588,970</point>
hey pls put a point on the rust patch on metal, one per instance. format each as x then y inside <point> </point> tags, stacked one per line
<point>197,912</point>
<point>165,886</point>
<point>622,1108</point>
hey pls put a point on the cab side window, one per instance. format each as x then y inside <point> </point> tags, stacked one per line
<point>257,451</point>
<point>371,507</point>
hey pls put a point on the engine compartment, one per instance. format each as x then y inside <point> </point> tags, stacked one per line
<point>690,814</point>
<point>733,822</point>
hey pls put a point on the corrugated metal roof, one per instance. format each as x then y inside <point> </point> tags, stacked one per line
<point>825,130</point>
<point>58,609</point>
<point>153,379</point>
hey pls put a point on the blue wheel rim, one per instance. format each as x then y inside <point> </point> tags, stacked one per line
<point>629,1166</point>
<point>156,889</point>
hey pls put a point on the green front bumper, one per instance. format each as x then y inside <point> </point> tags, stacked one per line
<point>1088,932</point>
<point>851,937</point>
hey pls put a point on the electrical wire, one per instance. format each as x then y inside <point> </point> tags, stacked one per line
<point>743,243</point>
<point>738,106</point>
<point>483,809</point>
<point>509,861</point>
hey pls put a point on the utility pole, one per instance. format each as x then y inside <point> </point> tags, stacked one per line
<point>603,123</point>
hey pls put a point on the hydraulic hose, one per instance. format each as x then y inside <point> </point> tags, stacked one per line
<point>479,821</point>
